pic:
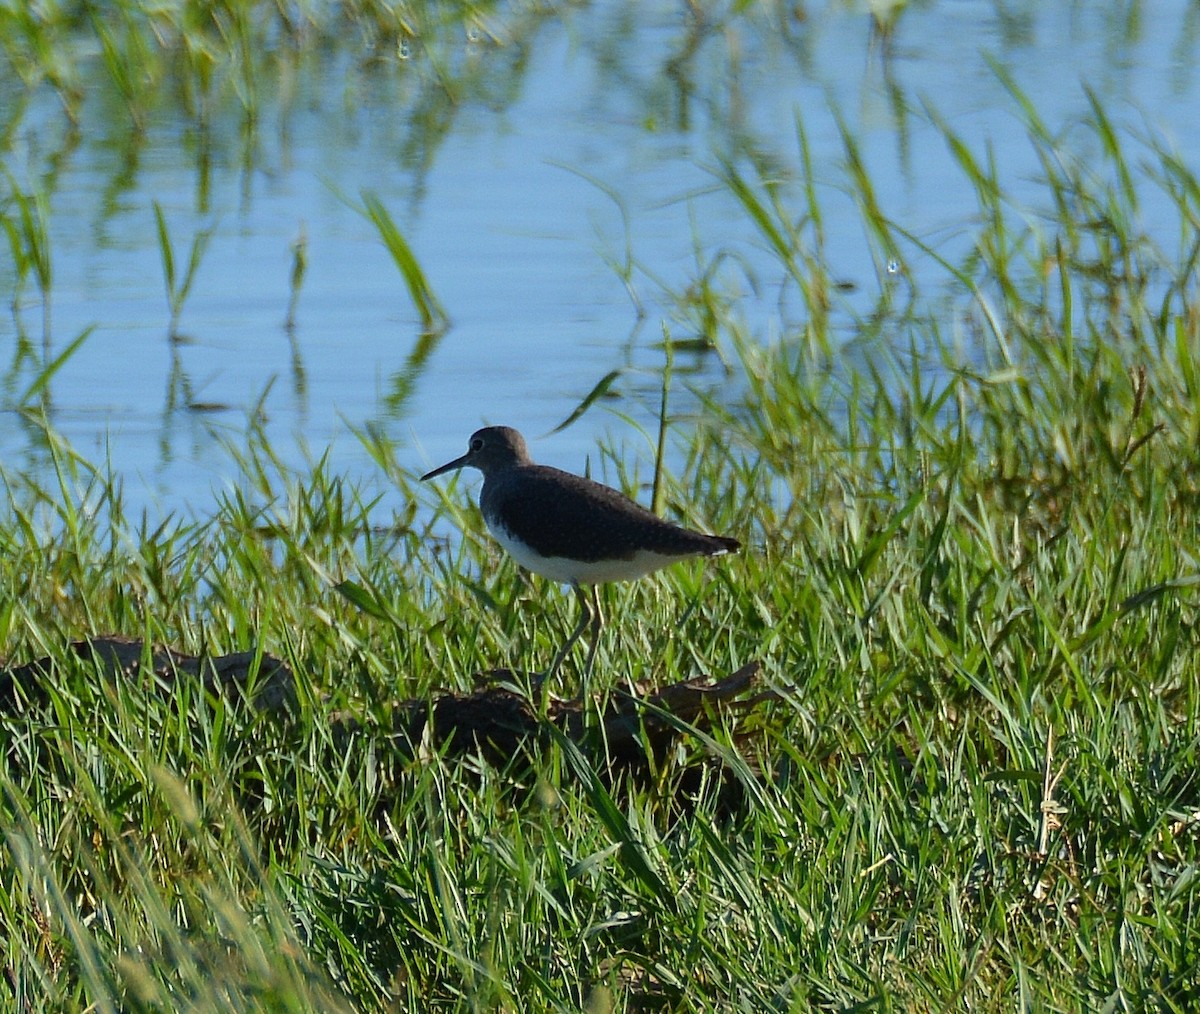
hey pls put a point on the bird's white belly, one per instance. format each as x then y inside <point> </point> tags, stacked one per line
<point>567,571</point>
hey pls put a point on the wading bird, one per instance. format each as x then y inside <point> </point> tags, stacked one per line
<point>570,529</point>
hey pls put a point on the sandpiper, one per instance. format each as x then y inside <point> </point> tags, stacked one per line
<point>571,529</point>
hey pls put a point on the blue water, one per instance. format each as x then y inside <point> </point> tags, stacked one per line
<point>516,239</point>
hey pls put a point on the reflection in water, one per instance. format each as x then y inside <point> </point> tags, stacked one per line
<point>298,372</point>
<point>404,380</point>
<point>117,156</point>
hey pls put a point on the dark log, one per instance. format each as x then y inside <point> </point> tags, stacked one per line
<point>269,685</point>
<point>634,726</point>
<point>498,719</point>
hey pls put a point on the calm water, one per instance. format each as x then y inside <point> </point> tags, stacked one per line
<point>498,196</point>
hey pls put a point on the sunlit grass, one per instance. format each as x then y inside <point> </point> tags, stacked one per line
<point>970,571</point>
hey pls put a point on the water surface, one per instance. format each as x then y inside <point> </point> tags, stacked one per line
<point>593,134</point>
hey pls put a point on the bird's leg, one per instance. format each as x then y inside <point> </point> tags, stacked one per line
<point>585,617</point>
<point>597,620</point>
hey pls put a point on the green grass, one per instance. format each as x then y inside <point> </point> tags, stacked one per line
<point>970,573</point>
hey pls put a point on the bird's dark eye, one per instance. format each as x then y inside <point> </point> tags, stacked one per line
<point>477,444</point>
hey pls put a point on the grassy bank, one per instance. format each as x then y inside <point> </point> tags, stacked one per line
<point>970,573</point>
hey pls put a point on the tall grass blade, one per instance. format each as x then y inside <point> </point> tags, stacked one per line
<point>433,317</point>
<point>39,383</point>
<point>178,288</point>
<point>598,391</point>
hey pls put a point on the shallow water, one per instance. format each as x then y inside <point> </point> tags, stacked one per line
<point>502,196</point>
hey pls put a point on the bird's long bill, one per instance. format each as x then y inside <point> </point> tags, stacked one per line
<point>449,466</point>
